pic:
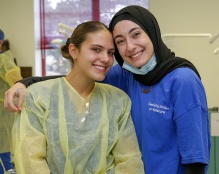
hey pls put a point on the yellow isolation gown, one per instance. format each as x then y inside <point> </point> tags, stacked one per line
<point>59,132</point>
<point>9,74</point>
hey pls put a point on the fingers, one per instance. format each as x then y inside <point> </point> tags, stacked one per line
<point>14,97</point>
<point>20,95</point>
<point>8,102</point>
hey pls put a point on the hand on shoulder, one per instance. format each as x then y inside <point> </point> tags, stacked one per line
<point>14,97</point>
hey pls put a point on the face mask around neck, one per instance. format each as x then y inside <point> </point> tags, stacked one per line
<point>144,69</point>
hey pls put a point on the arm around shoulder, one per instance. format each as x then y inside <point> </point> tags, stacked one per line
<point>14,97</point>
<point>31,80</point>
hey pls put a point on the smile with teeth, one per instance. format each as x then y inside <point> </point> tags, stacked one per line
<point>136,55</point>
<point>100,67</point>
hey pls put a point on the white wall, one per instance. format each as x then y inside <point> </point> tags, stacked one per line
<point>17,22</point>
<point>181,16</point>
<point>196,16</point>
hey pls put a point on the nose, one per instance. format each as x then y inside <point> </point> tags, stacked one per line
<point>130,46</point>
<point>105,57</point>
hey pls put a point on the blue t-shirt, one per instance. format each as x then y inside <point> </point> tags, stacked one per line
<point>171,121</point>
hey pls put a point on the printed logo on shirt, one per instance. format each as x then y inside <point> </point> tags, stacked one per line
<point>157,108</point>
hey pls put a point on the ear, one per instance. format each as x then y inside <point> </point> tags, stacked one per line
<point>72,51</point>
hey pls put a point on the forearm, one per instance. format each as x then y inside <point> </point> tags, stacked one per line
<point>19,90</point>
<point>195,168</point>
<point>31,80</point>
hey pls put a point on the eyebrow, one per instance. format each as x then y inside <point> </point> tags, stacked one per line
<point>135,28</point>
<point>102,46</point>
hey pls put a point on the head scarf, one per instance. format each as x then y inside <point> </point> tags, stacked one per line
<point>166,59</point>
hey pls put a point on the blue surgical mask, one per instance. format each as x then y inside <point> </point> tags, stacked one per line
<point>144,69</point>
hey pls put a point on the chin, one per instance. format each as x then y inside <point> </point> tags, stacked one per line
<point>139,65</point>
<point>136,64</point>
<point>100,78</point>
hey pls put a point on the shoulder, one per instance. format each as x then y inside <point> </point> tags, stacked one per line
<point>7,61</point>
<point>111,89</point>
<point>40,95</point>
<point>183,73</point>
<point>186,86</point>
<point>185,78</point>
<point>182,76</point>
<point>113,92</point>
<point>118,77</point>
<point>7,55</point>
<point>116,71</point>
<point>116,100</point>
<point>45,86</point>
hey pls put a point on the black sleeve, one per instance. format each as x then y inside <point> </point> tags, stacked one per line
<point>195,168</point>
<point>31,80</point>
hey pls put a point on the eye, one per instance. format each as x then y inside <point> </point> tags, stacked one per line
<point>136,34</point>
<point>97,50</point>
<point>119,41</point>
<point>111,53</point>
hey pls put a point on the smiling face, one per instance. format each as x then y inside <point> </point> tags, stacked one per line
<point>134,45</point>
<point>95,56</point>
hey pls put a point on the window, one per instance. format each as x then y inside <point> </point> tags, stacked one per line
<point>59,17</point>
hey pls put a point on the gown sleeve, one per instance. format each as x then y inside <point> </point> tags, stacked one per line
<point>29,142</point>
<point>126,151</point>
<point>9,71</point>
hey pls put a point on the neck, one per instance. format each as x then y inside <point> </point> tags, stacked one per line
<point>83,86</point>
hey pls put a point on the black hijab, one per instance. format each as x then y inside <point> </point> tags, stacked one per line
<point>166,59</point>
